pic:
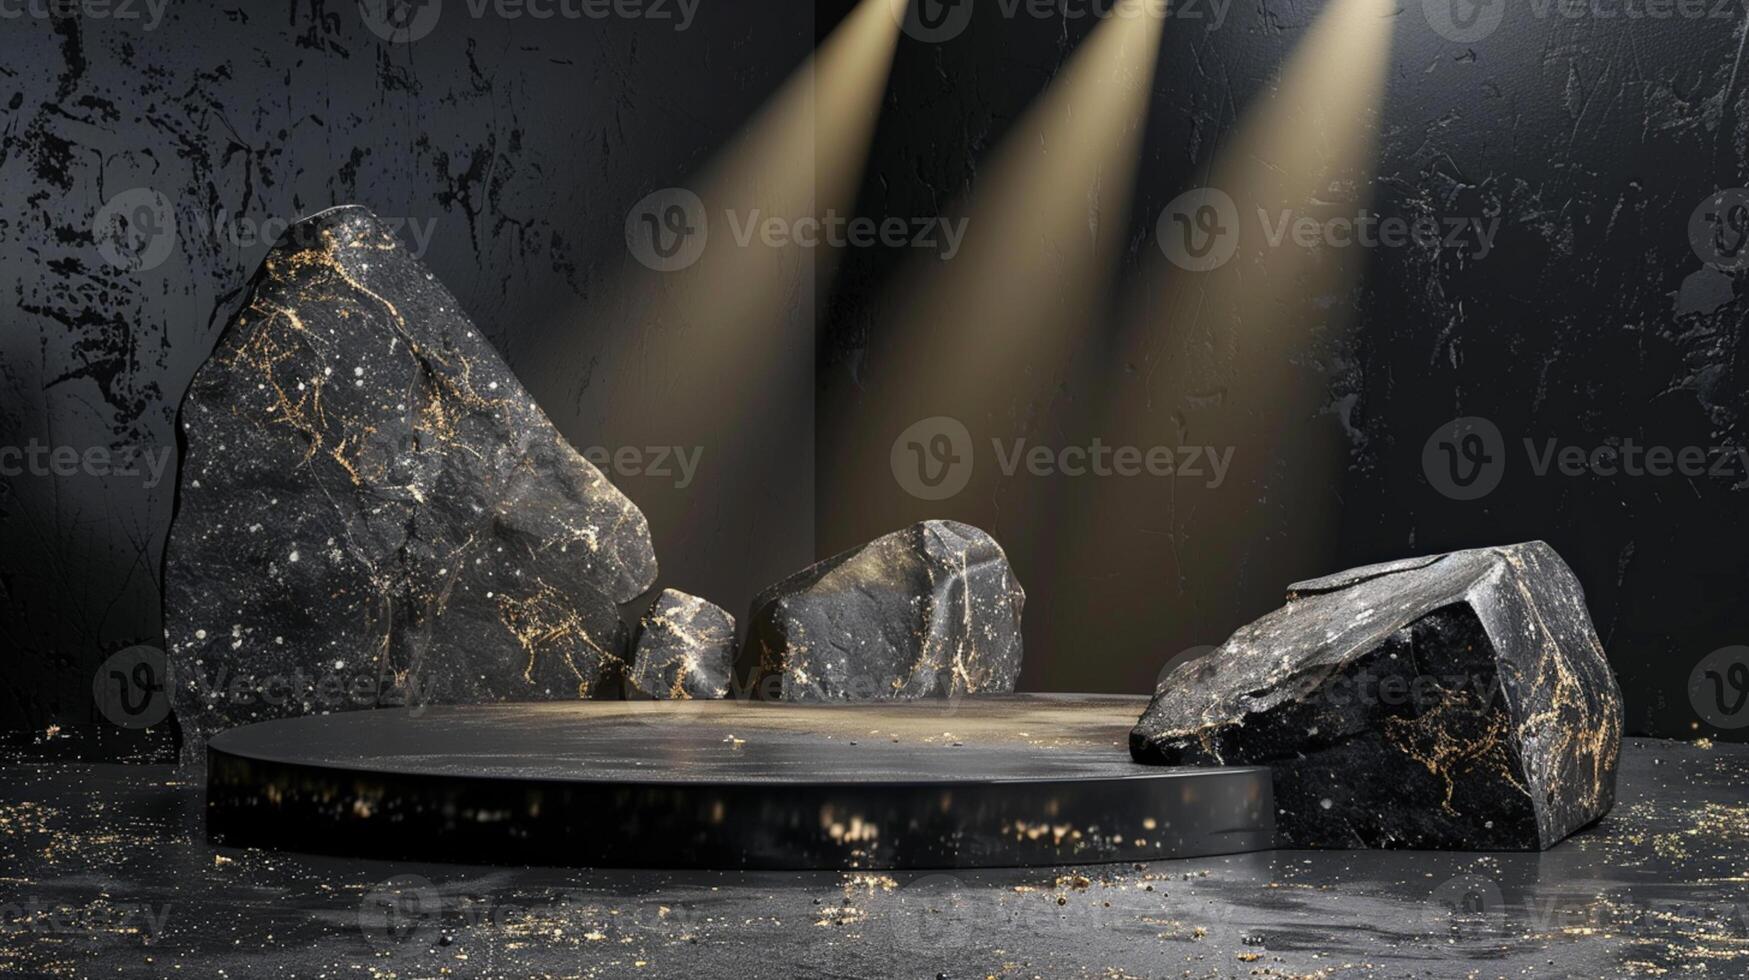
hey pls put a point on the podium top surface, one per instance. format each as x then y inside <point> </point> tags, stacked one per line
<point>1012,738</point>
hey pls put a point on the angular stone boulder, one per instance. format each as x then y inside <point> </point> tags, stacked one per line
<point>372,510</point>
<point>685,649</point>
<point>933,609</point>
<point>1460,701</point>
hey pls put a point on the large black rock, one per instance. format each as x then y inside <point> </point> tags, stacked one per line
<point>685,649</point>
<point>373,511</point>
<point>930,610</point>
<point>1460,701</point>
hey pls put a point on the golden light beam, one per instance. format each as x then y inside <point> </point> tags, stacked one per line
<point>1306,151</point>
<point>714,354</point>
<point>1217,358</point>
<point>984,336</point>
<point>800,160</point>
<point>1046,220</point>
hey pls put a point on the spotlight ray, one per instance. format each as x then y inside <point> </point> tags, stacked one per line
<point>983,337</point>
<point>721,358</point>
<point>1219,359</point>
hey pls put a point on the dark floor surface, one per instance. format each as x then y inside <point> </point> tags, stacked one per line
<point>105,872</point>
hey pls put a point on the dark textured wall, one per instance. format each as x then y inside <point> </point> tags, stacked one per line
<point>1586,142</point>
<point>510,151</point>
<point>518,145</point>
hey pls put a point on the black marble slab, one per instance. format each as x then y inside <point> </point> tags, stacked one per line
<point>1019,780</point>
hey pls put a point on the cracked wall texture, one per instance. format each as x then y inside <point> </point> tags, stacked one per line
<point>509,151</point>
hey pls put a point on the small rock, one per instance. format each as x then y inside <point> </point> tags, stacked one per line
<point>1461,701</point>
<point>685,649</point>
<point>933,609</point>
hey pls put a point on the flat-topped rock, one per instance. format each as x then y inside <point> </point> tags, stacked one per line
<point>1457,701</point>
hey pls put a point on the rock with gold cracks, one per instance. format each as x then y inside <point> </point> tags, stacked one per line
<point>372,510</point>
<point>1460,701</point>
<point>933,609</point>
<point>685,649</point>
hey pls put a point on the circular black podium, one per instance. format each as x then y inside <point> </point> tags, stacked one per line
<point>1024,780</point>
